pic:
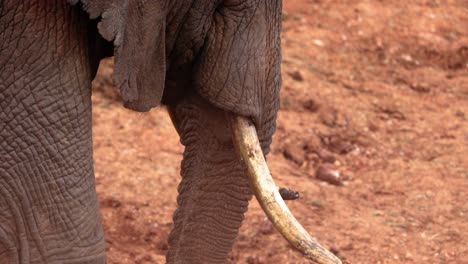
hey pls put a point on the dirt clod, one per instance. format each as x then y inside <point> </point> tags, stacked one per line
<point>329,116</point>
<point>266,227</point>
<point>288,194</point>
<point>296,75</point>
<point>311,105</point>
<point>337,144</point>
<point>328,174</point>
<point>294,152</point>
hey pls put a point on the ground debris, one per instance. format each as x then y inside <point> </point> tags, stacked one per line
<point>296,75</point>
<point>288,194</point>
<point>328,174</point>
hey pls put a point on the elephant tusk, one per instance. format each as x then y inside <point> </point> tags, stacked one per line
<point>247,145</point>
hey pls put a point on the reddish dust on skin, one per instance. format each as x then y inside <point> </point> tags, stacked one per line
<point>375,90</point>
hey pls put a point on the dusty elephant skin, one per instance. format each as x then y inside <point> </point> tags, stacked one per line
<point>201,58</point>
<point>48,208</point>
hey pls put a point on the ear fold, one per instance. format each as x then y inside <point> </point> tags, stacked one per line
<point>245,75</point>
<point>137,29</point>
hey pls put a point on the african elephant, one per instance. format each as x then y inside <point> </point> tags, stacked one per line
<point>215,64</point>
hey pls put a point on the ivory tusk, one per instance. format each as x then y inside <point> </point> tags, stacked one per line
<point>247,144</point>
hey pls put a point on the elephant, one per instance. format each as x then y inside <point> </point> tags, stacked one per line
<point>215,64</point>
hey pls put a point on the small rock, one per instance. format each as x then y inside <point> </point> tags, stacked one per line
<point>326,156</point>
<point>266,227</point>
<point>296,75</point>
<point>460,114</point>
<point>373,127</point>
<point>312,159</point>
<point>337,144</point>
<point>111,202</point>
<point>294,153</point>
<point>288,194</point>
<point>254,260</point>
<point>327,174</point>
<point>313,143</point>
<point>317,203</point>
<point>391,110</point>
<point>349,246</point>
<point>155,233</point>
<point>328,116</point>
<point>311,105</point>
<point>406,57</point>
<point>315,152</point>
<point>457,57</point>
<point>130,215</point>
<point>420,87</point>
<point>162,245</point>
<point>332,118</point>
<point>318,42</point>
<point>144,259</point>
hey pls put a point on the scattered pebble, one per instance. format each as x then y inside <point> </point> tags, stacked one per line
<point>328,116</point>
<point>296,75</point>
<point>327,174</point>
<point>326,156</point>
<point>294,152</point>
<point>460,114</point>
<point>420,87</point>
<point>288,194</point>
<point>311,105</point>
<point>266,227</point>
<point>318,42</point>
<point>337,144</point>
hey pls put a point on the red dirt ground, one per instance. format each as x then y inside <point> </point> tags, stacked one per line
<point>376,90</point>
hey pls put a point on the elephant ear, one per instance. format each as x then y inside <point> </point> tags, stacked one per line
<point>137,29</point>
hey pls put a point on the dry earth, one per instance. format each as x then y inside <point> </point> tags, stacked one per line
<point>374,90</point>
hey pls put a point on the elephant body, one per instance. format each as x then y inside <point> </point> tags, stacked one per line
<point>200,58</point>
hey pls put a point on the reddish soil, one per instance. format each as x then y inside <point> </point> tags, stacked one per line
<point>374,90</point>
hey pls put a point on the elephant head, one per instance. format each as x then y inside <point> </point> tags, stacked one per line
<point>216,65</point>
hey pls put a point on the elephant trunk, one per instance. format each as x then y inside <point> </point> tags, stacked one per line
<point>217,186</point>
<point>214,191</point>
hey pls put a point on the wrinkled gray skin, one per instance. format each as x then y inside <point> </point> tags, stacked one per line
<point>200,58</point>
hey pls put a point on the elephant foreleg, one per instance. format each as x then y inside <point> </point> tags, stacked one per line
<point>48,206</point>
